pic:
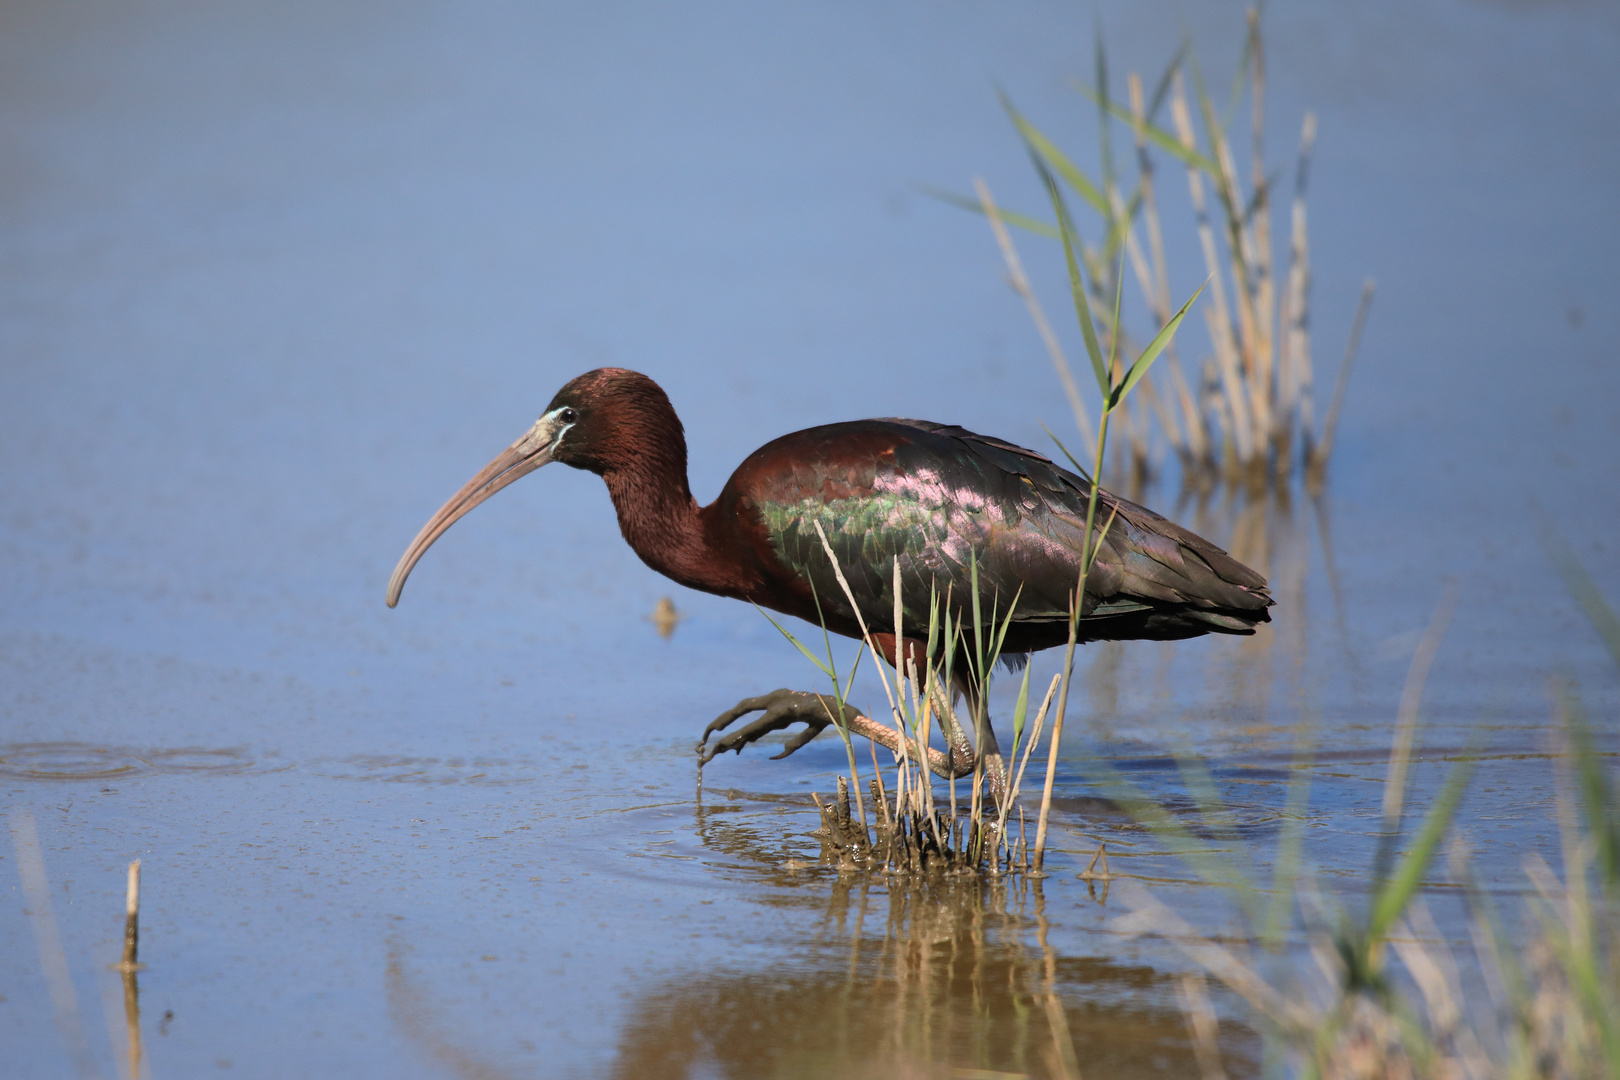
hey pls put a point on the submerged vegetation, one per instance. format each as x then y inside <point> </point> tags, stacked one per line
<point>1245,413</point>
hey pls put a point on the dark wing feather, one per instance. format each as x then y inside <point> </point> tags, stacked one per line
<point>949,505</point>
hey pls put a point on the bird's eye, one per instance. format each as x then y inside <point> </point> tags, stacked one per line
<point>568,416</point>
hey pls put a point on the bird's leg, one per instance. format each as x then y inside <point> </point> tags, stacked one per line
<point>961,743</point>
<point>995,767</point>
<point>962,752</point>
<point>784,708</point>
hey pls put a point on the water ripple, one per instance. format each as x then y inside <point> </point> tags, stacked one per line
<point>419,770</point>
<point>66,761</point>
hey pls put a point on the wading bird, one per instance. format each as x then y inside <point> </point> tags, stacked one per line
<point>943,501</point>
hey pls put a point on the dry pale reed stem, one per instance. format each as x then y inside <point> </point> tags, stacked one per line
<point>1233,395</point>
<point>1057,731</point>
<point>1149,916</point>
<point>1166,414</point>
<point>922,744</point>
<point>1245,268</point>
<point>1251,275</point>
<point>1018,777</point>
<point>1432,968</point>
<point>1020,284</point>
<point>132,916</point>
<point>904,663</point>
<point>1324,449</point>
<point>1160,408</point>
<point>1202,1026</point>
<point>1215,312</point>
<point>838,571</point>
<point>1197,435</point>
<point>1487,949</point>
<point>1575,851</point>
<point>1265,289</point>
<point>1134,254</point>
<point>1435,970</point>
<point>1294,345</point>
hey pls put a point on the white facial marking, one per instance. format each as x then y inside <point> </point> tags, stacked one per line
<point>551,425</point>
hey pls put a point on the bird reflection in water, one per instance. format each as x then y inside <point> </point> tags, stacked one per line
<point>949,979</point>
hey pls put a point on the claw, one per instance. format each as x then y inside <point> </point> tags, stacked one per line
<point>742,708</point>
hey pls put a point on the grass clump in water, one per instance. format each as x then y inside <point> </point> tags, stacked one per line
<point>915,834</point>
<point>1246,412</point>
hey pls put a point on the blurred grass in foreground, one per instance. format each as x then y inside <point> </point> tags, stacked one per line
<point>1552,1003</point>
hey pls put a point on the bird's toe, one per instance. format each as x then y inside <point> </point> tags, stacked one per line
<point>782,709</point>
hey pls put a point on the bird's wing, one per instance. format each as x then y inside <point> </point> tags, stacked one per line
<point>955,508</point>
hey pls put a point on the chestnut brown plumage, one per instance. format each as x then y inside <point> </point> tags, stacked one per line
<point>943,501</point>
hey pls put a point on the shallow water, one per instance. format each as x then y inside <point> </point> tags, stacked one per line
<point>277,280</point>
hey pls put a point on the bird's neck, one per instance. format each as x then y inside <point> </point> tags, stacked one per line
<point>663,524</point>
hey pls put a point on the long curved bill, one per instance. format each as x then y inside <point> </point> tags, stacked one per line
<point>520,459</point>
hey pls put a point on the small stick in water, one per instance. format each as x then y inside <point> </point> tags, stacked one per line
<point>1023,844</point>
<point>132,919</point>
<point>129,966</point>
<point>1102,853</point>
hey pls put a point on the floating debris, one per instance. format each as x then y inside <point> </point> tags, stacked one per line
<point>664,618</point>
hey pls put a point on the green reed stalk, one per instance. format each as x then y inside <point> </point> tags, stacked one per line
<point>1115,387</point>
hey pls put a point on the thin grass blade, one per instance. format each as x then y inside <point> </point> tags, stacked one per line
<point>1006,624</point>
<point>1396,892</point>
<point>797,644</point>
<point>1597,796</point>
<point>1291,843</point>
<point>1079,468</point>
<point>1077,283</point>
<point>1159,137</point>
<point>1020,710</point>
<point>1145,361</point>
<point>1011,217</point>
<point>1048,151</point>
<point>1161,89</point>
<point>1584,590</point>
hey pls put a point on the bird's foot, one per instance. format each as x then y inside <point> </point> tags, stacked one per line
<point>785,708</point>
<point>782,709</point>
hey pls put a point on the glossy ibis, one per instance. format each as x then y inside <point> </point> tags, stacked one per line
<point>935,496</point>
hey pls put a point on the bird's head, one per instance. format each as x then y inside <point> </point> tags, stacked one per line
<point>603,421</point>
